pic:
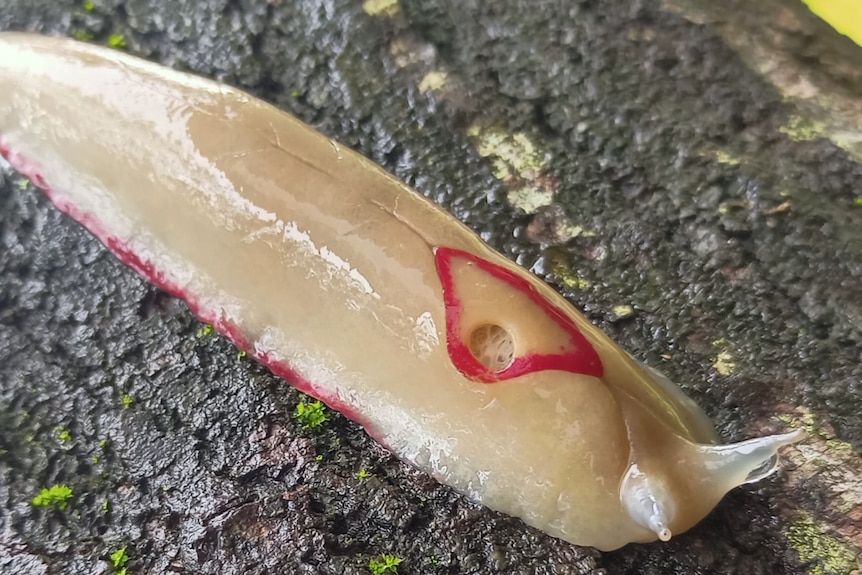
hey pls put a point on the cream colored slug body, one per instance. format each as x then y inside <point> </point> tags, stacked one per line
<point>329,269</point>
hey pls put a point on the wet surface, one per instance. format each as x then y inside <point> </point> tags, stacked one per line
<point>672,183</point>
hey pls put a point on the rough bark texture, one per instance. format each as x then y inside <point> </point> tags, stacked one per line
<point>622,150</point>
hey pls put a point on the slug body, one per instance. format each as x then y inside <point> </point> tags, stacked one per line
<point>361,292</point>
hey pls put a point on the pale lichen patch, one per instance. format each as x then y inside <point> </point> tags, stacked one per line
<point>513,155</point>
<point>802,129</point>
<point>530,198</point>
<point>723,362</point>
<point>623,311</point>
<point>407,51</point>
<point>550,225</point>
<point>726,158</point>
<point>387,8</point>
<point>572,281</point>
<point>570,231</point>
<point>834,465</point>
<point>520,163</point>
<point>822,553</point>
<point>433,81</point>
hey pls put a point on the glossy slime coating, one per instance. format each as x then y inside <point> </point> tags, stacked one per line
<point>361,292</point>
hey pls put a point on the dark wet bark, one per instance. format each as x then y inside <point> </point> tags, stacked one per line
<point>725,232</point>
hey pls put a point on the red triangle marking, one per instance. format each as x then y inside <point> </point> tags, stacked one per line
<point>583,359</point>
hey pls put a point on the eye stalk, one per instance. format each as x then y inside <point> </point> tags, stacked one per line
<point>648,502</point>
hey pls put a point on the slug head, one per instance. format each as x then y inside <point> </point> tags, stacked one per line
<point>674,489</point>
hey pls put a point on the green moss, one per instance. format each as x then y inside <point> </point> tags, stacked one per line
<point>205,331</point>
<point>56,496</point>
<point>564,274</point>
<point>240,355</point>
<point>363,474</point>
<point>63,434</point>
<point>117,41</point>
<point>119,558</point>
<point>858,201</point>
<point>98,457</point>
<point>310,415</point>
<point>824,554</point>
<point>88,6</point>
<point>106,506</point>
<point>383,564</point>
<point>126,400</point>
<point>82,35</point>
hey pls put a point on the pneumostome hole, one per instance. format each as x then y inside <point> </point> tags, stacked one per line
<point>493,346</point>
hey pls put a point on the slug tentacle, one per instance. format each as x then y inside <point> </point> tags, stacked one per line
<point>648,502</point>
<point>748,461</point>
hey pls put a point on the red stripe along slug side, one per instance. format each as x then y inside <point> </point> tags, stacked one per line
<point>361,292</point>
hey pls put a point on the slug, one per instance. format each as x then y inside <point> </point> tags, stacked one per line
<point>361,292</point>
